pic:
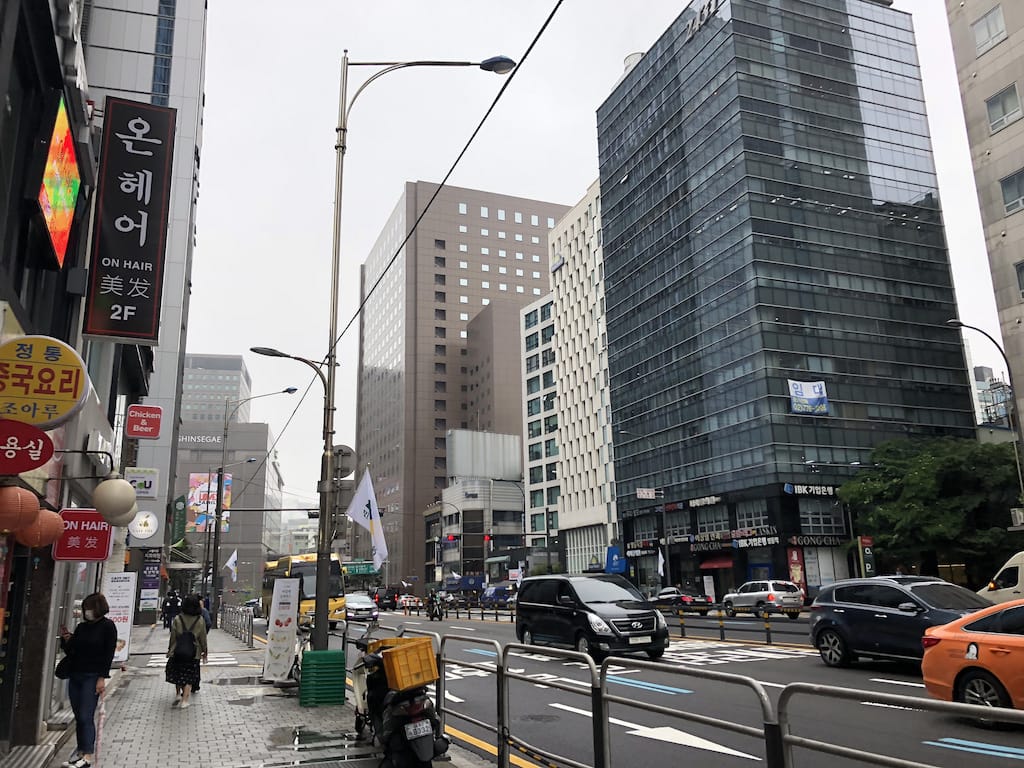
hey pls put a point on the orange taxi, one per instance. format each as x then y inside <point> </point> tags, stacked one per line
<point>978,659</point>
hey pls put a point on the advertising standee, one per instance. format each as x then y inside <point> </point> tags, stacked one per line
<point>281,625</point>
<point>119,589</point>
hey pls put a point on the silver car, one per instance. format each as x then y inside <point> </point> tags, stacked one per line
<point>764,598</point>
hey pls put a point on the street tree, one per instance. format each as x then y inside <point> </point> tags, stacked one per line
<point>944,500</point>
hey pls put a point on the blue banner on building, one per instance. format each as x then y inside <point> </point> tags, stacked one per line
<point>614,562</point>
<point>808,397</point>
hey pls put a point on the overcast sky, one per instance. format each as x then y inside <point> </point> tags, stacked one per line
<point>261,269</point>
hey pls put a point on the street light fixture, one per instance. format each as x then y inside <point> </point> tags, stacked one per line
<point>228,414</point>
<point>497,64</point>
<point>1011,405</point>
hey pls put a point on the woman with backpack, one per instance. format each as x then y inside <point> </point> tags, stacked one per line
<point>186,649</point>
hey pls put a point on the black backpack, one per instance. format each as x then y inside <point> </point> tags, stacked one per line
<point>185,645</point>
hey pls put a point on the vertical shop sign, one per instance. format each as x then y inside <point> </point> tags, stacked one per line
<point>797,573</point>
<point>149,593</point>
<point>133,199</point>
<point>281,625</point>
<point>119,589</point>
<point>178,519</point>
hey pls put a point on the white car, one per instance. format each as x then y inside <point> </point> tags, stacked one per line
<point>409,601</point>
<point>764,597</point>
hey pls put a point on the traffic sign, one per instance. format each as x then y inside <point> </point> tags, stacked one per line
<point>143,421</point>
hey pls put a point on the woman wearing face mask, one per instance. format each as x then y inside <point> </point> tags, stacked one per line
<point>91,650</point>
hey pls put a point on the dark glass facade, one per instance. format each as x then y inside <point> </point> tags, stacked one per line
<point>770,213</point>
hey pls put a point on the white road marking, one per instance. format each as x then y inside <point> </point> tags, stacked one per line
<point>449,697</point>
<point>465,629</point>
<point>665,733</point>
<point>213,660</point>
<point>890,706</point>
<point>907,683</point>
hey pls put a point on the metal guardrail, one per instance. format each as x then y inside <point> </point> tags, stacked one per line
<point>237,621</point>
<point>771,631</point>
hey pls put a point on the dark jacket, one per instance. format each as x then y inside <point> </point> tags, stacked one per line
<point>91,647</point>
<point>184,623</point>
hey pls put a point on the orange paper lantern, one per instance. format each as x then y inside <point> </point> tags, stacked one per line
<point>47,528</point>
<point>18,508</point>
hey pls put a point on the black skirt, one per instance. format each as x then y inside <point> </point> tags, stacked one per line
<point>182,673</point>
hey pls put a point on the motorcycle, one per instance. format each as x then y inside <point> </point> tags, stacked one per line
<point>405,723</point>
<point>434,610</point>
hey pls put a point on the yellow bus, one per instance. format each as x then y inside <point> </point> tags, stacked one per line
<point>303,568</point>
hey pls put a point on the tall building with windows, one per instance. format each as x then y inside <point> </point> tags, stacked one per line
<point>471,248</point>
<point>777,283</point>
<point>587,514</point>
<point>988,48</point>
<point>540,423</point>
<point>210,380</point>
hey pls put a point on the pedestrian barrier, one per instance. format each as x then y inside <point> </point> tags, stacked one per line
<point>771,632</point>
<point>237,621</point>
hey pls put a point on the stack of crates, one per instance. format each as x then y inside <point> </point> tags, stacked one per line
<point>323,678</point>
<point>409,662</point>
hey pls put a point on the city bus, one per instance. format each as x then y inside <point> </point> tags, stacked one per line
<point>303,568</point>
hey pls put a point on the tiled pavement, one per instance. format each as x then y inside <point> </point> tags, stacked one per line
<point>234,721</point>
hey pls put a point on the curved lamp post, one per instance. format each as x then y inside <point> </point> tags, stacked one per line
<point>1011,406</point>
<point>215,557</point>
<point>499,65</point>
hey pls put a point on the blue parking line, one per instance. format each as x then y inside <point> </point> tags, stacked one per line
<point>611,678</point>
<point>979,747</point>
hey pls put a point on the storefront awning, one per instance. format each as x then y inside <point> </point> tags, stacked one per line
<point>716,562</point>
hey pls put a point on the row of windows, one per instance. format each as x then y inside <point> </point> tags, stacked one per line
<point>502,235</point>
<point>464,281</point>
<point>517,216</point>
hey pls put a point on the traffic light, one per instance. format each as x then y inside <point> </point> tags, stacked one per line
<point>452,537</point>
<point>487,537</point>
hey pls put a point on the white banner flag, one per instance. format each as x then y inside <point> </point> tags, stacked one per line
<point>232,565</point>
<point>363,511</point>
<point>661,562</point>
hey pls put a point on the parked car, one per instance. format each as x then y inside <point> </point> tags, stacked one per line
<point>496,596</point>
<point>257,607</point>
<point>597,614</point>
<point>764,597</point>
<point>1008,583</point>
<point>409,601</point>
<point>360,608</point>
<point>385,597</point>
<point>977,658</point>
<point>884,616</point>
<point>685,599</point>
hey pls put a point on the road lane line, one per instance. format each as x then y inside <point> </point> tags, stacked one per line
<point>890,706</point>
<point>483,746</point>
<point>465,629</point>
<point>907,683</point>
<point>978,748</point>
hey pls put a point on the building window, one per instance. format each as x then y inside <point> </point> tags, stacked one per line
<point>989,30</point>
<point>1003,108</point>
<point>547,334</point>
<point>439,244</point>
<point>502,287</point>
<point>547,357</point>
<point>535,259</point>
<point>713,519</point>
<point>533,362</point>
<point>440,368</point>
<point>553,494</point>
<point>550,424</point>
<point>533,407</point>
<point>551,223</point>
<point>463,229</point>
<point>536,452</point>
<point>518,237</point>
<point>518,217</point>
<point>551,447</point>
<point>484,212</point>
<point>463,334</point>
<point>463,265</point>
<point>440,444</point>
<point>464,248</point>
<point>485,267</point>
<point>533,429</point>
<point>519,273</point>
<point>752,513</point>
<point>501,235</point>
<point>534,239</point>
<point>485,284</point>
<point>441,424</point>
<point>463,299</point>
<point>533,385</point>
<point>549,401</point>
<point>440,314</point>
<point>440,297</point>
<point>821,517</point>
<point>485,251</point>
<point>502,270</point>
<point>536,475</point>
<point>463,315</point>
<point>485,302</point>
<point>439,262</point>
<point>545,311</point>
<point>537,500</point>
<point>549,379</point>
<point>530,320</point>
<point>463,209</point>
<point>440,405</point>
<point>535,291</point>
<point>532,342</point>
<point>439,349</point>
<point>440,387</point>
<point>551,472</point>
<point>534,220</point>
<point>1019,268</point>
<point>484,232</point>
<point>1013,191</point>
<point>501,214</point>
<point>440,332</point>
<point>438,279</point>
<point>463,282</point>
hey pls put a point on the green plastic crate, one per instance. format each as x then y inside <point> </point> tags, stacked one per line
<point>323,679</point>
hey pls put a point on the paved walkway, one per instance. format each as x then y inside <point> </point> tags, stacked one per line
<point>234,721</point>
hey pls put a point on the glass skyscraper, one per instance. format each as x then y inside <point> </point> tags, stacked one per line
<point>777,283</point>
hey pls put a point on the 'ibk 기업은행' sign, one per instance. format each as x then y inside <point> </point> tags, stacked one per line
<point>133,198</point>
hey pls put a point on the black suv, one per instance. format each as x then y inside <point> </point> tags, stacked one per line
<point>596,614</point>
<point>386,598</point>
<point>884,616</point>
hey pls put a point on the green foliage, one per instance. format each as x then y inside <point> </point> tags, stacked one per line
<point>941,500</point>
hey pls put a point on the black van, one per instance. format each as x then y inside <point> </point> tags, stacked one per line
<point>598,614</point>
<point>386,598</point>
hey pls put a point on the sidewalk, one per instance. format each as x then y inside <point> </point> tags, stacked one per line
<point>234,721</point>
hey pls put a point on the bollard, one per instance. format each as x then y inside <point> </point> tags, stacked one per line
<point>721,624</point>
<point>767,628</point>
<point>682,623</point>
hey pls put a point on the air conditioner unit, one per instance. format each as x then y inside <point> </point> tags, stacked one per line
<point>1017,517</point>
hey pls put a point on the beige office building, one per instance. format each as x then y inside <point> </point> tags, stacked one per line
<point>471,248</point>
<point>988,46</point>
<point>587,513</point>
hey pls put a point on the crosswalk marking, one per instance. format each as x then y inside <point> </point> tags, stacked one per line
<point>213,660</point>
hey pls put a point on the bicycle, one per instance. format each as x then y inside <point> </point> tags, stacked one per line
<point>303,641</point>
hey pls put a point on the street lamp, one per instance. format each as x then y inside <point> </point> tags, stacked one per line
<point>1011,405</point>
<point>499,65</point>
<point>217,578</point>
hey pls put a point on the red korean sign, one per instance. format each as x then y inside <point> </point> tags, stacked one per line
<point>143,421</point>
<point>22,447</point>
<point>87,536</point>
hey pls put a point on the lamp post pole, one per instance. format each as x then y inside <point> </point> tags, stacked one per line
<point>219,514</point>
<point>1011,404</point>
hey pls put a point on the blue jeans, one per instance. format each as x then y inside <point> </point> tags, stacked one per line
<point>82,692</point>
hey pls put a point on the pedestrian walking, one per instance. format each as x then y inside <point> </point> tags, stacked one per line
<point>170,608</point>
<point>186,649</point>
<point>91,652</point>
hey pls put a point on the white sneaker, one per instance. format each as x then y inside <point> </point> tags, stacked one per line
<point>185,705</point>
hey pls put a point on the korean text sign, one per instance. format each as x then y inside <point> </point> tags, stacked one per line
<point>133,199</point>
<point>43,381</point>
<point>87,536</point>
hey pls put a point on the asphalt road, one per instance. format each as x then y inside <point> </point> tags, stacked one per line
<point>559,721</point>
